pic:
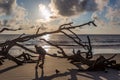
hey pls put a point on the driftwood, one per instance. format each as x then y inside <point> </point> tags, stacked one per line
<point>101,63</point>
<point>4,53</point>
<point>89,54</point>
<point>7,29</point>
<point>76,57</point>
<point>61,49</point>
<point>15,42</point>
<point>26,57</point>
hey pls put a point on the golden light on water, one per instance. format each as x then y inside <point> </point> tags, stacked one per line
<point>46,47</point>
<point>46,37</point>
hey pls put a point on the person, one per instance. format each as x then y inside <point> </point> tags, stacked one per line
<point>41,51</point>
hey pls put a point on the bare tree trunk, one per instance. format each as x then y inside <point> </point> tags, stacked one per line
<point>15,42</point>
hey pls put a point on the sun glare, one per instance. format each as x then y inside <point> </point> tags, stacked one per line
<point>44,12</point>
<point>46,37</point>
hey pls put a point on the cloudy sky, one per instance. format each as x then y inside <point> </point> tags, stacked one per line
<point>50,14</point>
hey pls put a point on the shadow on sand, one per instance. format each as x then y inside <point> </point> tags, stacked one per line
<point>8,68</point>
<point>89,75</point>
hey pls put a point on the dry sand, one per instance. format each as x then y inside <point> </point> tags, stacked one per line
<point>10,71</point>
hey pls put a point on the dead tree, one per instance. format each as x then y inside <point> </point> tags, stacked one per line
<point>7,45</point>
<point>89,54</point>
<point>16,42</point>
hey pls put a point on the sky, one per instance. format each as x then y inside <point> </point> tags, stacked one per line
<point>29,15</point>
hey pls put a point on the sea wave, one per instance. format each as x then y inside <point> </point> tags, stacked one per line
<point>104,42</point>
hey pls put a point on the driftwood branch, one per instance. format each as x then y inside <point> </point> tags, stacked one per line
<point>89,54</point>
<point>80,44</point>
<point>63,26</point>
<point>75,35</point>
<point>76,57</point>
<point>21,35</point>
<point>112,57</point>
<point>9,44</point>
<point>25,48</point>
<point>62,51</point>
<point>26,38</point>
<point>7,29</point>
<point>38,30</point>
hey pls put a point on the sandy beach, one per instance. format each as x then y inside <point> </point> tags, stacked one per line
<point>10,71</point>
<point>67,37</point>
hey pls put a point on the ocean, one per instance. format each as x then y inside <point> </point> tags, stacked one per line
<point>101,44</point>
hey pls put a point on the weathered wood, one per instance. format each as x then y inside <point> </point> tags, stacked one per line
<point>10,57</point>
<point>61,49</point>
<point>15,42</point>
<point>5,53</point>
<point>28,37</point>
<point>80,44</point>
<point>77,57</point>
<point>75,35</point>
<point>89,54</point>
<point>7,29</point>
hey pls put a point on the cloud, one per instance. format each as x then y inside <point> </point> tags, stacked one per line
<point>113,13</point>
<point>68,8</point>
<point>6,6</point>
<point>45,14</point>
<point>98,20</point>
<point>15,12</point>
<point>101,4</point>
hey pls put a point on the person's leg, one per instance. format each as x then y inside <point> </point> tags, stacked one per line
<point>43,60</point>
<point>41,65</point>
<point>39,58</point>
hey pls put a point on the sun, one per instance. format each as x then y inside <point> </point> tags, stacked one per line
<point>44,12</point>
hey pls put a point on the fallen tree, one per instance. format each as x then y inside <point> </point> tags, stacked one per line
<point>7,45</point>
<point>64,29</point>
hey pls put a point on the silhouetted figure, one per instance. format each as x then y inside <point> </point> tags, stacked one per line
<point>41,57</point>
<point>57,71</point>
